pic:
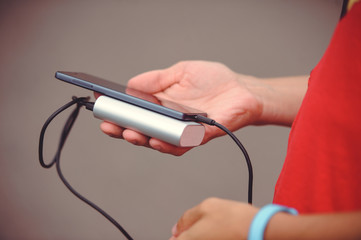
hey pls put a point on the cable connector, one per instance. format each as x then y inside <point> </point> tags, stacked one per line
<point>203,119</point>
<point>89,105</point>
<point>84,101</point>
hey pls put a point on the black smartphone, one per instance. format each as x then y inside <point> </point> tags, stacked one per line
<point>129,95</point>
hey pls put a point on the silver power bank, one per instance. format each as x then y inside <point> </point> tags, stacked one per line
<point>173,131</point>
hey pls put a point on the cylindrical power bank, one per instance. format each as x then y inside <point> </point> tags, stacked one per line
<point>147,122</point>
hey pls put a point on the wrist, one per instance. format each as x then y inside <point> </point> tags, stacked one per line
<point>281,227</point>
<point>279,98</point>
<point>256,89</point>
<point>261,223</point>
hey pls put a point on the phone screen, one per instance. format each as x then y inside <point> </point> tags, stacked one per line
<point>129,95</point>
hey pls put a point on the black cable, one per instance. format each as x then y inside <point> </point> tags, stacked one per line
<point>211,122</point>
<point>66,130</point>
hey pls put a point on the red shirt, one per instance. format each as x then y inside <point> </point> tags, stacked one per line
<point>322,170</point>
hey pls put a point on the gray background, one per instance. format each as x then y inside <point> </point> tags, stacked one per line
<point>144,190</point>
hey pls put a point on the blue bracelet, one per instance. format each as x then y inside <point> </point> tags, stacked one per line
<point>260,221</point>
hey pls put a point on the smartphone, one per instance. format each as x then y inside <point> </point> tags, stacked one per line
<point>129,95</point>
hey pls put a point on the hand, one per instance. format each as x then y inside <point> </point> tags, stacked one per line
<point>206,86</point>
<point>215,219</point>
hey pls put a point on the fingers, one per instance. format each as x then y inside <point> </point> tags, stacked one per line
<point>167,148</point>
<point>131,136</point>
<point>96,95</point>
<point>149,82</point>
<point>112,130</point>
<point>136,138</point>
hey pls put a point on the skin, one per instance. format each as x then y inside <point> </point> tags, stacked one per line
<point>233,100</point>
<point>215,219</point>
<point>223,219</point>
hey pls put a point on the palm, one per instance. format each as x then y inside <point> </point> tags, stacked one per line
<point>209,87</point>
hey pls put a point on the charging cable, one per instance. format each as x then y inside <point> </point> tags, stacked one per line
<point>202,119</point>
<point>56,160</point>
<point>84,101</point>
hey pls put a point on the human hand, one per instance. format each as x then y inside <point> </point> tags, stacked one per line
<point>207,86</point>
<point>215,219</point>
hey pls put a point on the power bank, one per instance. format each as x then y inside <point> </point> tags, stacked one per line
<point>171,130</point>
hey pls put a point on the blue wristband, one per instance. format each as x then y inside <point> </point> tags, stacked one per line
<point>260,221</point>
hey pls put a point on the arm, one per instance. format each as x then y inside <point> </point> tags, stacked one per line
<point>229,220</point>
<point>234,100</point>
<point>281,98</point>
<point>315,226</point>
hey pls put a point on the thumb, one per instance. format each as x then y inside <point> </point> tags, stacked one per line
<point>157,80</point>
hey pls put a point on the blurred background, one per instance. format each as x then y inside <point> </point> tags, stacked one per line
<point>144,190</point>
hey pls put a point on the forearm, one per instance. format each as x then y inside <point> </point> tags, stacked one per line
<point>315,226</point>
<point>280,98</point>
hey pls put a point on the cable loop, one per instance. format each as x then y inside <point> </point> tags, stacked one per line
<point>45,126</point>
<point>82,101</point>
